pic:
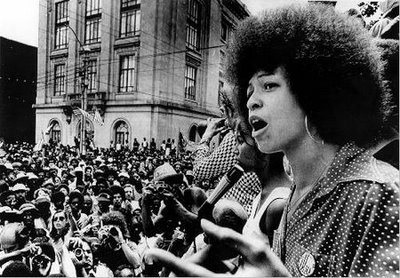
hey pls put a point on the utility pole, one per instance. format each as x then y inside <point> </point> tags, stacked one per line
<point>84,50</point>
<point>84,85</point>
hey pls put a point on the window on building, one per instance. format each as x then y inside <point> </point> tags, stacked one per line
<point>193,25</point>
<point>130,18</point>
<point>92,21</point>
<point>61,25</point>
<point>225,31</point>
<point>122,133</point>
<point>127,73</point>
<point>190,82</point>
<point>55,132</point>
<point>92,76</point>
<point>59,80</point>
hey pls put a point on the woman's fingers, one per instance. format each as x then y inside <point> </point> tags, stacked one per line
<point>255,250</point>
<point>248,247</point>
<point>179,266</point>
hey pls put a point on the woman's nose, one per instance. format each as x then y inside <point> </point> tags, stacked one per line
<point>253,102</point>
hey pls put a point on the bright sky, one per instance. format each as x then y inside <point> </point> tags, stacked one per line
<point>256,6</point>
<point>19,18</point>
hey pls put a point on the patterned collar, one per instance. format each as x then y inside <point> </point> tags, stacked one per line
<point>353,163</point>
<point>350,163</point>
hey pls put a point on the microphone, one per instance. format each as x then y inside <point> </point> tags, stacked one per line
<point>226,183</point>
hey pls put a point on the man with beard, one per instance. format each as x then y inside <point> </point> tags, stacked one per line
<point>130,200</point>
<point>20,193</point>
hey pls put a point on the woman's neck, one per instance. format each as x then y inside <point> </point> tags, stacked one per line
<point>309,161</point>
<point>272,179</point>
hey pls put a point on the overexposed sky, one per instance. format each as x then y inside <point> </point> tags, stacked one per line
<point>19,18</point>
<point>255,6</point>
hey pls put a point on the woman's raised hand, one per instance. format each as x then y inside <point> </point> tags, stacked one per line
<point>259,258</point>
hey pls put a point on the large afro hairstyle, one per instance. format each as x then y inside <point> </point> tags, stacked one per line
<point>331,64</point>
<point>389,50</point>
<point>115,218</point>
<point>76,194</point>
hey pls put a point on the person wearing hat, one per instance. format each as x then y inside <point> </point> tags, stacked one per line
<point>16,165</point>
<point>189,177</point>
<point>20,191</point>
<point>167,184</point>
<point>123,178</point>
<point>77,183</point>
<point>21,177</point>
<point>43,203</point>
<point>98,173</point>
<point>104,202</point>
<point>32,228</point>
<point>7,198</point>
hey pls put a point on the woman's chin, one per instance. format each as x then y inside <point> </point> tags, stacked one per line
<point>267,148</point>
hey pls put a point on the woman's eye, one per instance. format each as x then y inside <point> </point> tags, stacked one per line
<point>269,86</point>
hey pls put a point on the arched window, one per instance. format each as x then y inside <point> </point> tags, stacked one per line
<point>55,131</point>
<point>121,133</point>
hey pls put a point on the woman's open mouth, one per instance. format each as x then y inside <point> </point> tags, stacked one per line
<point>257,124</point>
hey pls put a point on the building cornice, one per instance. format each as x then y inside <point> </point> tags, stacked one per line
<point>237,8</point>
<point>161,104</point>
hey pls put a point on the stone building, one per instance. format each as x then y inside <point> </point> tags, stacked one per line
<point>150,68</point>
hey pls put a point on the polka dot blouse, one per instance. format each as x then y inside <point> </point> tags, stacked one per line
<point>348,225</point>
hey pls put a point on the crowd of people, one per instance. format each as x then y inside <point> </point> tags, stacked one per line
<point>84,212</point>
<point>314,105</point>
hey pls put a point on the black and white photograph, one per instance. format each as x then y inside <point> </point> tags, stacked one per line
<point>199,138</point>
